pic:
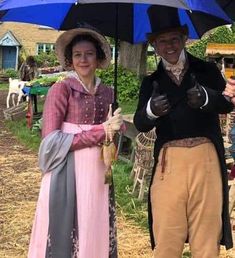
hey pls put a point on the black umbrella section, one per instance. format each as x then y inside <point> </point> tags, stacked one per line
<point>113,20</point>
<point>228,6</point>
<point>204,22</point>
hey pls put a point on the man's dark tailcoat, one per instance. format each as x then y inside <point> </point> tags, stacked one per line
<point>184,121</point>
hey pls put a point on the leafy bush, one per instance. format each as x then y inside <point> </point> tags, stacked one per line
<point>11,73</point>
<point>46,59</point>
<point>37,126</point>
<point>45,80</point>
<point>198,48</point>
<point>128,83</point>
<point>221,34</point>
<point>151,63</point>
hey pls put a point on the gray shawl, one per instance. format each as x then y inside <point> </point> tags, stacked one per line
<point>54,157</point>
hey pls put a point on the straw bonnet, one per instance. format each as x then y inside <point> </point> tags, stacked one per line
<point>66,37</point>
<point>164,19</point>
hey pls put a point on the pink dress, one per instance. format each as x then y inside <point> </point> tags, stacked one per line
<point>96,234</point>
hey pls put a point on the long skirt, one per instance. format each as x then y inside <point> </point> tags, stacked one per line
<point>92,205</point>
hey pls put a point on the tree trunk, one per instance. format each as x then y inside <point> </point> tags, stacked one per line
<point>133,57</point>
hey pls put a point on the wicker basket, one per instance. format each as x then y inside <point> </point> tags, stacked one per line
<point>144,149</point>
<point>144,161</point>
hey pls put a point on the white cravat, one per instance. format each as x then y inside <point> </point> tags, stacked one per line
<point>177,68</point>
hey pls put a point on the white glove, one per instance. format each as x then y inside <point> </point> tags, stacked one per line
<point>114,122</point>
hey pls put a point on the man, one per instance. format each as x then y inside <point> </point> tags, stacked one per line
<point>182,99</point>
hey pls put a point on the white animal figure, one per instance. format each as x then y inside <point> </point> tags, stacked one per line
<point>15,89</point>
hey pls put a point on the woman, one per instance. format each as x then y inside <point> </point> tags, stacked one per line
<point>75,215</point>
<point>28,70</point>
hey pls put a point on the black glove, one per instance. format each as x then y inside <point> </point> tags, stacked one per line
<point>196,95</point>
<point>159,104</point>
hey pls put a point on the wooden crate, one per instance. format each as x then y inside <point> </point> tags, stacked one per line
<point>15,113</point>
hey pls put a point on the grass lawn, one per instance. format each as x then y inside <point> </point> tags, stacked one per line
<point>129,107</point>
<point>4,86</point>
<point>24,134</point>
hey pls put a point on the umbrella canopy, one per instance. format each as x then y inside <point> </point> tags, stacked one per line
<point>126,20</point>
<point>123,19</point>
<point>11,4</point>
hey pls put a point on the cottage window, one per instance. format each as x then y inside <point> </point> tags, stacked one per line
<point>45,47</point>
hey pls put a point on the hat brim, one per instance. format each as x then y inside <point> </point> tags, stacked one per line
<point>65,38</point>
<point>182,29</point>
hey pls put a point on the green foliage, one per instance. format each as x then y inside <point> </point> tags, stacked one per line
<point>198,48</point>
<point>151,63</point>
<point>45,80</point>
<point>11,73</point>
<point>46,59</point>
<point>4,86</point>
<point>25,135</point>
<point>221,34</point>
<point>37,126</point>
<point>128,82</point>
<point>128,107</point>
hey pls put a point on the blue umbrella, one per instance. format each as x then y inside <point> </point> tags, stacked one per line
<point>128,16</point>
<point>126,20</point>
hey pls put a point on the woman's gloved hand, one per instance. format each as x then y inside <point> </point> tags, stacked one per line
<point>114,121</point>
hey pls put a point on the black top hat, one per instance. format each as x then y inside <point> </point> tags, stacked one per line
<point>164,19</point>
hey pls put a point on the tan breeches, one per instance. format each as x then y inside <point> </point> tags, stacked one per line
<point>187,202</point>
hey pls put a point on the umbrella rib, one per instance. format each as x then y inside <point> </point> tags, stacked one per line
<point>193,23</point>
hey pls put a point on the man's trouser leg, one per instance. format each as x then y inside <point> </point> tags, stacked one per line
<point>205,207</point>
<point>179,204</point>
